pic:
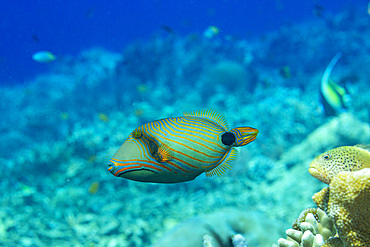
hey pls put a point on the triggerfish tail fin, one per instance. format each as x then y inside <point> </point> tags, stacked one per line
<point>244,135</point>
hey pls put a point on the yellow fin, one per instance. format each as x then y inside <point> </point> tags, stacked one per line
<point>164,154</point>
<point>326,76</point>
<point>210,114</point>
<point>340,90</point>
<point>364,147</point>
<point>224,164</point>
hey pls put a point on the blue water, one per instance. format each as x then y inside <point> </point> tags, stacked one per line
<point>67,27</point>
<point>121,64</point>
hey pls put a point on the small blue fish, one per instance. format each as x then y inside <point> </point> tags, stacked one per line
<point>211,32</point>
<point>43,57</point>
<point>179,149</point>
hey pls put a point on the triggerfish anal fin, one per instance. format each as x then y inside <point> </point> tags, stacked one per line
<point>244,135</point>
<point>224,164</point>
<point>333,96</point>
<point>211,115</point>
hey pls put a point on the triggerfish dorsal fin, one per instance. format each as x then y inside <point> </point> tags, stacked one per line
<point>244,135</point>
<point>212,115</point>
<point>223,164</point>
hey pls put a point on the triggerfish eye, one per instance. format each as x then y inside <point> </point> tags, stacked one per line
<point>137,134</point>
<point>228,138</point>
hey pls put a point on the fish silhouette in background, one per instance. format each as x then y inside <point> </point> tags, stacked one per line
<point>211,32</point>
<point>178,149</point>
<point>43,57</point>
<point>334,98</point>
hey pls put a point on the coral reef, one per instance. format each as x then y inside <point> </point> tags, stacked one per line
<point>346,128</point>
<point>236,240</point>
<point>220,228</point>
<point>347,202</point>
<point>312,228</point>
<point>55,142</point>
<point>239,241</point>
<point>286,173</point>
<point>321,198</point>
<point>230,75</point>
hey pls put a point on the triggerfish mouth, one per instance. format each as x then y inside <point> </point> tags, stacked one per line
<point>178,149</point>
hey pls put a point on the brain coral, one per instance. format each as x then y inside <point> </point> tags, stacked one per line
<point>347,202</point>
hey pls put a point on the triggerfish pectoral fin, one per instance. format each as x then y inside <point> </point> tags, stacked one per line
<point>223,164</point>
<point>244,135</point>
<point>164,154</point>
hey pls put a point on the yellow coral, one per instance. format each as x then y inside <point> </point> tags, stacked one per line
<point>347,201</point>
<point>349,206</point>
<point>321,198</point>
<point>333,242</point>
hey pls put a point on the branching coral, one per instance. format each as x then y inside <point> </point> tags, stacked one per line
<point>347,202</point>
<point>312,228</point>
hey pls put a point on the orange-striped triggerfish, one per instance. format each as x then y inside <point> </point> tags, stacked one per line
<point>178,149</point>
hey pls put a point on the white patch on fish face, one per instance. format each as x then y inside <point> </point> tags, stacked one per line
<point>129,150</point>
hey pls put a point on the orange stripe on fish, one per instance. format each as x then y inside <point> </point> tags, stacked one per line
<point>137,161</point>
<point>188,127</point>
<point>127,166</point>
<point>179,167</point>
<point>186,146</point>
<point>197,142</point>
